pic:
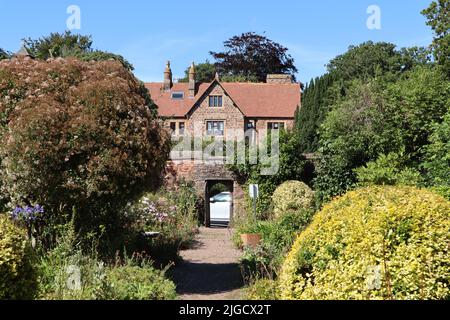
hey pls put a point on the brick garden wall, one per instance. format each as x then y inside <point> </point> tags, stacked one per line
<point>199,173</point>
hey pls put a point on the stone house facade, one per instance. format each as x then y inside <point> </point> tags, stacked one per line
<point>221,110</point>
<point>216,108</point>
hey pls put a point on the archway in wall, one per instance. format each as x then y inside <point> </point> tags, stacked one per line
<point>218,202</point>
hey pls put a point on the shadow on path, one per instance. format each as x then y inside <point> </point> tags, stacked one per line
<point>207,278</point>
<point>210,269</point>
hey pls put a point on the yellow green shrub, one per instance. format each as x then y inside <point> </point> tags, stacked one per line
<point>292,196</point>
<point>373,243</point>
<point>262,289</point>
<point>17,277</point>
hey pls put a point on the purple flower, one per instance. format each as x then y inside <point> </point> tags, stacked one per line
<point>27,214</point>
<point>38,209</point>
<point>16,213</point>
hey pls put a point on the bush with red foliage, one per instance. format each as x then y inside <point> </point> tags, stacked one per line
<point>75,134</point>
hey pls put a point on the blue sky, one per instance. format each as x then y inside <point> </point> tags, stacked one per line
<point>148,33</point>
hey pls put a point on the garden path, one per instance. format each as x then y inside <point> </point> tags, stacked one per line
<point>210,268</point>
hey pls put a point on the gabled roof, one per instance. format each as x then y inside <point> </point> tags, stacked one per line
<point>259,100</point>
<point>167,107</point>
<point>265,100</point>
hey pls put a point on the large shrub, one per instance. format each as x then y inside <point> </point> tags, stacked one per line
<point>292,195</point>
<point>373,243</point>
<point>387,170</point>
<point>77,134</point>
<point>379,117</point>
<point>172,214</point>
<point>17,275</point>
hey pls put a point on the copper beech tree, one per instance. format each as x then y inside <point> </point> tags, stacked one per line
<point>77,135</point>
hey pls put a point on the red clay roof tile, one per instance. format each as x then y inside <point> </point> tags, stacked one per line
<point>259,100</point>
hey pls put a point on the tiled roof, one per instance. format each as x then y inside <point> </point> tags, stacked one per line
<point>167,107</point>
<point>253,99</point>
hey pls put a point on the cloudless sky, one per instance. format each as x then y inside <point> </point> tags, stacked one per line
<point>148,33</point>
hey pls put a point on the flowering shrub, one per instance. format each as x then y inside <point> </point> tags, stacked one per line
<point>17,275</point>
<point>27,214</point>
<point>292,195</point>
<point>77,134</point>
<point>173,215</point>
<point>31,217</point>
<point>373,243</point>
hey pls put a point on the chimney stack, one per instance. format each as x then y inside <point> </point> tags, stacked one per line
<point>192,83</point>
<point>167,77</point>
<point>279,78</point>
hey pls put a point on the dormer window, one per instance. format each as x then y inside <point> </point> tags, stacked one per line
<point>215,101</point>
<point>177,95</point>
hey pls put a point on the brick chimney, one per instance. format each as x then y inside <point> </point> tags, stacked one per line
<point>167,77</point>
<point>192,83</point>
<point>279,78</point>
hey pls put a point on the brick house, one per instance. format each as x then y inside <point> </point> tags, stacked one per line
<point>217,107</point>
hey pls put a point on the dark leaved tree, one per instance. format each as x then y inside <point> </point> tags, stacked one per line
<point>251,56</point>
<point>316,99</point>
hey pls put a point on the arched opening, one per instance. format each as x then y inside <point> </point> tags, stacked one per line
<point>218,203</point>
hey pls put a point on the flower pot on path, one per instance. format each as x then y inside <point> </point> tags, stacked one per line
<point>251,240</point>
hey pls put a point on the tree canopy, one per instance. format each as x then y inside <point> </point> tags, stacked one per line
<point>377,103</point>
<point>316,99</point>
<point>205,72</point>
<point>4,54</point>
<point>438,15</point>
<point>370,59</point>
<point>251,57</point>
<point>363,62</point>
<point>70,45</point>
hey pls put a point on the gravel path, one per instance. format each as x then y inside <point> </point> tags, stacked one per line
<point>210,269</point>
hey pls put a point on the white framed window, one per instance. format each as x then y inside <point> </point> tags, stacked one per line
<point>215,128</point>
<point>215,101</point>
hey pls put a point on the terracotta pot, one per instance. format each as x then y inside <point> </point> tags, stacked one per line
<point>251,239</point>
